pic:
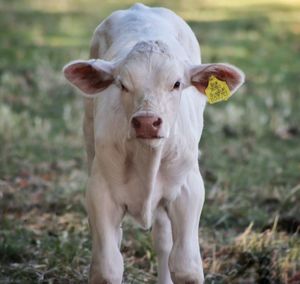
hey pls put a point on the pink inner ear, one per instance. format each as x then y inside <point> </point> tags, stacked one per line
<point>223,72</point>
<point>87,78</point>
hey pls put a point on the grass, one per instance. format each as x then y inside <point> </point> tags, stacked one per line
<point>249,231</point>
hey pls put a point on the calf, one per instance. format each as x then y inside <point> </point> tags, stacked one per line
<point>144,92</point>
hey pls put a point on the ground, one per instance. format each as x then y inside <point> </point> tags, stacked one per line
<point>249,231</point>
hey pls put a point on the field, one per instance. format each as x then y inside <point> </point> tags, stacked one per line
<point>249,231</point>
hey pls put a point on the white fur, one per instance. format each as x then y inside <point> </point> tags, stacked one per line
<point>157,181</point>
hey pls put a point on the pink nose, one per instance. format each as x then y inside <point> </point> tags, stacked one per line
<point>146,127</point>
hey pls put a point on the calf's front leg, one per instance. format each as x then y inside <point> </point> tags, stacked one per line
<point>105,217</point>
<point>185,261</point>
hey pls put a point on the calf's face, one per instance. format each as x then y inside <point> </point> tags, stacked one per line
<point>150,80</point>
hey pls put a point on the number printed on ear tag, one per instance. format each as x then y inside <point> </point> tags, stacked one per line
<point>217,90</point>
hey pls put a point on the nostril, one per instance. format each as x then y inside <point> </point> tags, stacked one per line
<point>157,122</point>
<point>135,123</point>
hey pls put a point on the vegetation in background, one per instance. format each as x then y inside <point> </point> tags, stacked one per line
<point>250,161</point>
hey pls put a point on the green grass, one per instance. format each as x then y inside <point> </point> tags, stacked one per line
<point>250,144</point>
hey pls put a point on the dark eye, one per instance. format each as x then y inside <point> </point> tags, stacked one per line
<point>123,88</point>
<point>176,85</point>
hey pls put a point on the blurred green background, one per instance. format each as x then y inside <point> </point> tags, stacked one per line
<point>249,231</point>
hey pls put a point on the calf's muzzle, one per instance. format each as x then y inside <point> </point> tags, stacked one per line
<point>146,127</point>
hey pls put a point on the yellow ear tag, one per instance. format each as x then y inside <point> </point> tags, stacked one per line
<point>217,90</point>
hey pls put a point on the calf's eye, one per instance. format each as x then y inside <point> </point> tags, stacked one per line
<point>123,88</point>
<point>176,85</point>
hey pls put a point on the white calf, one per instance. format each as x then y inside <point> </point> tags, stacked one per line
<point>143,122</point>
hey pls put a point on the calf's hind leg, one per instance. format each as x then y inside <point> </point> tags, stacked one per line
<point>162,240</point>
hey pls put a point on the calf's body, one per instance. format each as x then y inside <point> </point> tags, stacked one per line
<point>143,122</point>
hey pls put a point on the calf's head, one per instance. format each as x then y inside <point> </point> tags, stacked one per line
<point>150,81</point>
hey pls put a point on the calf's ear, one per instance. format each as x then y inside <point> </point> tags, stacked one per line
<point>90,76</point>
<point>200,74</point>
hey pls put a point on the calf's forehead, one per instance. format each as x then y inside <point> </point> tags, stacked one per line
<point>150,62</point>
<point>156,69</point>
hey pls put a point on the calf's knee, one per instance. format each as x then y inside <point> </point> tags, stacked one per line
<point>107,270</point>
<point>185,266</point>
